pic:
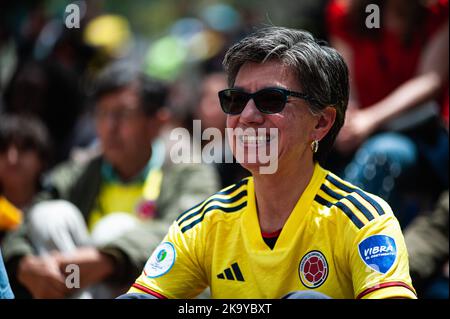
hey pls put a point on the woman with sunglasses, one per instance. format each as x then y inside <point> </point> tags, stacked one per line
<point>300,231</point>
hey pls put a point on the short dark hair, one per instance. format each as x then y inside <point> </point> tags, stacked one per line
<point>26,132</point>
<point>321,71</point>
<point>153,93</point>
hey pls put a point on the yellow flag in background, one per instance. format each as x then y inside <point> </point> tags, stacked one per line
<point>10,216</point>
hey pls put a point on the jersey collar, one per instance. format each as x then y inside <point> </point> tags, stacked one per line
<point>250,223</point>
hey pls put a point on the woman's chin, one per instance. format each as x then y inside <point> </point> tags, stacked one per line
<point>257,159</point>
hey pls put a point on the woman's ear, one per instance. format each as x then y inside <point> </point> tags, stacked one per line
<point>325,123</point>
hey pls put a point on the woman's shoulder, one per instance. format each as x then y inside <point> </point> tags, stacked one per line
<point>353,203</point>
<point>231,199</point>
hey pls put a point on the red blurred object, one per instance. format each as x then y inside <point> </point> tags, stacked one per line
<point>146,209</point>
<point>386,59</point>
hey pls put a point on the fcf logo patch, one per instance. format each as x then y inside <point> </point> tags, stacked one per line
<point>313,270</point>
<point>378,252</point>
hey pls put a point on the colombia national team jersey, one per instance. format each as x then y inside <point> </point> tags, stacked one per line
<point>338,240</point>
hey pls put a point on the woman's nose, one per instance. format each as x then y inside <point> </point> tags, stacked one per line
<point>250,114</point>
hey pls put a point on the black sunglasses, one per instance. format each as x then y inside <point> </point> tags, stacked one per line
<point>267,100</point>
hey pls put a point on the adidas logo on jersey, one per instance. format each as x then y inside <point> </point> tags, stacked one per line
<point>232,273</point>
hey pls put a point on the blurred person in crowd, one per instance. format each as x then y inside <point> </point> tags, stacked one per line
<point>22,22</point>
<point>427,241</point>
<point>24,154</point>
<point>211,115</point>
<point>394,135</point>
<point>106,214</point>
<point>284,232</point>
<point>52,64</point>
<point>49,92</point>
<point>209,110</point>
<point>5,288</point>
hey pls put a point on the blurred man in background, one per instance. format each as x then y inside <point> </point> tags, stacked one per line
<point>210,114</point>
<point>107,214</point>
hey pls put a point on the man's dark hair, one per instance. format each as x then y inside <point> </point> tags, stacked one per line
<point>25,132</point>
<point>154,93</point>
<point>321,71</point>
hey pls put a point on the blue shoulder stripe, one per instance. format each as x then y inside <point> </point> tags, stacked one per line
<point>233,188</point>
<point>322,201</point>
<point>352,199</point>
<point>347,211</point>
<point>224,209</point>
<point>350,189</point>
<point>213,199</point>
<point>350,215</point>
<point>190,209</point>
<point>227,191</point>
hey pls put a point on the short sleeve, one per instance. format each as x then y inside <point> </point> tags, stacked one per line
<point>379,259</point>
<point>174,270</point>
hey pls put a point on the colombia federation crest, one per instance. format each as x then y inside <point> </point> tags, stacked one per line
<point>313,269</point>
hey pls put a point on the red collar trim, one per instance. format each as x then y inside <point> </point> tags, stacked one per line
<point>271,235</point>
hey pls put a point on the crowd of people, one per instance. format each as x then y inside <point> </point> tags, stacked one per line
<point>86,176</point>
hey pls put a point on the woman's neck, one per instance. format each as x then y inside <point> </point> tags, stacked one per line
<point>277,194</point>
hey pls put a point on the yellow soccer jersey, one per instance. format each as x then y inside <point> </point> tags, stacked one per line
<point>338,240</point>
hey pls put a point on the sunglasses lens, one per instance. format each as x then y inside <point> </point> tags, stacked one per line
<point>233,101</point>
<point>267,100</point>
<point>270,101</point>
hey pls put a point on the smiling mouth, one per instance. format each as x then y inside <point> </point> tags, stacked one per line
<point>255,140</point>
